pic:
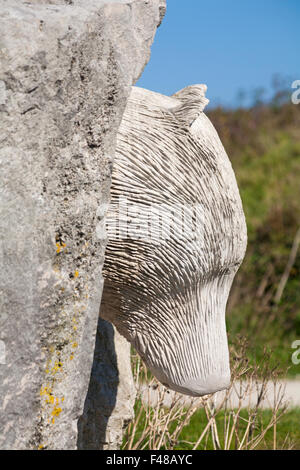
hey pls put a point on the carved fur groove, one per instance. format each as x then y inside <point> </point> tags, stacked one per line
<point>167,293</point>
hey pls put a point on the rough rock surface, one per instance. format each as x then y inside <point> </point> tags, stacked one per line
<point>65,71</point>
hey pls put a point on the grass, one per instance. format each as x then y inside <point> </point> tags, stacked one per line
<point>168,420</point>
<point>287,432</point>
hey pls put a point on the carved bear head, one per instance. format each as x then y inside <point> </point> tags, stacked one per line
<point>176,237</point>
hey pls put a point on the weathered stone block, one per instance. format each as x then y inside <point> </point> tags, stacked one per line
<point>65,72</point>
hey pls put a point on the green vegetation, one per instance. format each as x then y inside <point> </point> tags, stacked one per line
<point>287,430</point>
<point>165,420</point>
<point>263,144</point>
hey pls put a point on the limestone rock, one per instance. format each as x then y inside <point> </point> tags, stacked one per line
<point>65,72</point>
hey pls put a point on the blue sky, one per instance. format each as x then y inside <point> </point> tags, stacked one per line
<point>227,44</point>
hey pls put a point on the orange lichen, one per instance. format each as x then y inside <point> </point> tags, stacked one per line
<point>45,391</point>
<point>56,411</point>
<point>60,246</point>
<point>50,400</point>
<point>57,366</point>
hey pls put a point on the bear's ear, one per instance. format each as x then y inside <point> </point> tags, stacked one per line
<point>193,102</point>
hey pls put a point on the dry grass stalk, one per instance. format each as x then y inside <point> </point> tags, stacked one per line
<point>161,415</point>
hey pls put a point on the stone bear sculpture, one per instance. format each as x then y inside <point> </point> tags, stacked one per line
<point>176,237</point>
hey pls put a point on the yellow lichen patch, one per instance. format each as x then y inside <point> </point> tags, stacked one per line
<point>60,246</point>
<point>57,367</point>
<point>56,411</point>
<point>51,405</point>
<point>76,274</point>
<point>40,447</point>
<point>74,345</point>
<point>50,400</point>
<point>45,391</point>
<point>72,357</point>
<point>75,323</point>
